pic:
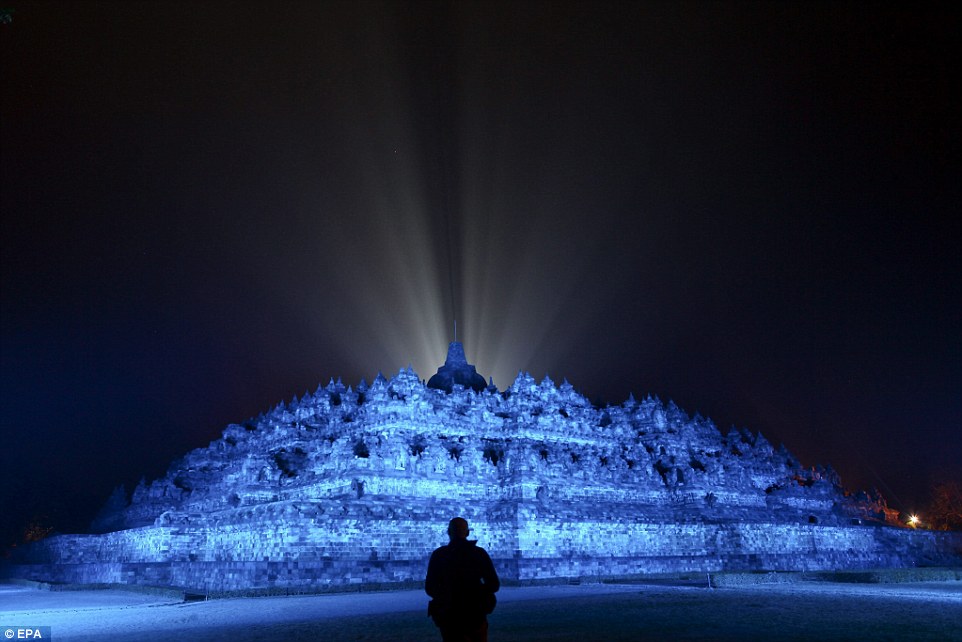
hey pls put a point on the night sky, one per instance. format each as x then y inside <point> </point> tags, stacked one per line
<point>207,208</point>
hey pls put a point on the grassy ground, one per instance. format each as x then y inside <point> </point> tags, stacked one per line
<point>666,611</point>
<point>661,614</point>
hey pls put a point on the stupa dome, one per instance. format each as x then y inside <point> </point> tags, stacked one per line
<point>457,370</point>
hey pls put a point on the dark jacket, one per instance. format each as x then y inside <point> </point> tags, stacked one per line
<point>462,581</point>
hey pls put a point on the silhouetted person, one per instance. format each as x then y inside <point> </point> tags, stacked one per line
<point>462,582</point>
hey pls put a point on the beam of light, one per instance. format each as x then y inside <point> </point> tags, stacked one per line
<point>524,287</point>
<point>377,273</point>
<point>381,283</point>
<point>440,224</point>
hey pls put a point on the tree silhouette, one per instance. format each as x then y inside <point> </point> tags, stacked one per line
<point>944,512</point>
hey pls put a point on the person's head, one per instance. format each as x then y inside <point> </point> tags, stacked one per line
<point>458,528</point>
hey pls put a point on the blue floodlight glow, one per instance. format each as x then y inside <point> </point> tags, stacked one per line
<point>349,486</point>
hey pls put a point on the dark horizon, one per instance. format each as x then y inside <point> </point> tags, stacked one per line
<point>208,208</point>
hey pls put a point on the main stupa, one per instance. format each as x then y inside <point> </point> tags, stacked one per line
<point>456,371</point>
<point>351,487</point>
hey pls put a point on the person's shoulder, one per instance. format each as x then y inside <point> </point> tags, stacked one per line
<point>480,551</point>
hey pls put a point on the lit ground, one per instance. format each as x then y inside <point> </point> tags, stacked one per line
<point>819,611</point>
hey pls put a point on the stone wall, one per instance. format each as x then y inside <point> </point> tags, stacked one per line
<point>315,553</point>
<point>355,487</point>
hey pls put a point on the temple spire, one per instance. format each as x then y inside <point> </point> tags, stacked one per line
<point>457,370</point>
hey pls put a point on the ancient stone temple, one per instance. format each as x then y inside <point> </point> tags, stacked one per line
<point>457,371</point>
<point>354,486</point>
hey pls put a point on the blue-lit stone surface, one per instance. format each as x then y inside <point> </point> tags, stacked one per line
<point>353,486</point>
<point>457,371</point>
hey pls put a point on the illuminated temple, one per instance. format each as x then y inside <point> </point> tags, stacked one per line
<point>355,486</point>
